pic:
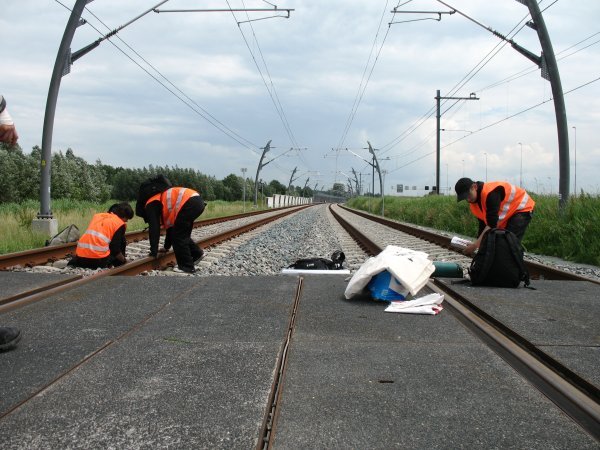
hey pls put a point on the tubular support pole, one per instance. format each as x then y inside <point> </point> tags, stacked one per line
<point>57,73</point>
<point>559,102</point>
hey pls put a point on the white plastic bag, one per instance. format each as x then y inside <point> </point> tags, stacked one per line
<point>409,267</point>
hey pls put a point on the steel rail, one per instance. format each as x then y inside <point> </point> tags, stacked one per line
<point>269,424</point>
<point>38,256</point>
<point>135,267</point>
<point>577,397</point>
<point>536,270</point>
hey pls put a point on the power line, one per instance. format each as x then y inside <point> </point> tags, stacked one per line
<point>194,106</point>
<point>476,69</point>
<point>272,94</point>
<point>494,123</point>
<point>522,112</point>
<point>360,93</point>
<point>530,70</point>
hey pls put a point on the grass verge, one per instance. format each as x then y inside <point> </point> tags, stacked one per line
<point>15,219</point>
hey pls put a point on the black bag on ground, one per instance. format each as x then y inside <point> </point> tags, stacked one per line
<point>335,263</point>
<point>499,261</point>
<point>148,188</point>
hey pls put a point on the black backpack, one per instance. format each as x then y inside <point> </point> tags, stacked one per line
<point>148,188</point>
<point>499,261</point>
<point>335,263</point>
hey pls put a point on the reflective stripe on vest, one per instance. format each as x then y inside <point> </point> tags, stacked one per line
<point>173,199</point>
<point>95,241</point>
<point>516,200</point>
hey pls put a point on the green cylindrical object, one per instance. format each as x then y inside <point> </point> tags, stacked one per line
<point>447,270</point>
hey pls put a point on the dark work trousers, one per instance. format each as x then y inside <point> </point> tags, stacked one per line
<point>95,263</point>
<point>186,251</point>
<point>518,223</point>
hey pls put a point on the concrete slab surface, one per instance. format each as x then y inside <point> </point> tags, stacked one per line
<point>189,364</point>
<point>358,377</point>
<point>13,283</point>
<point>560,317</point>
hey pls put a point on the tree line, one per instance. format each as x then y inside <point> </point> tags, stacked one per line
<point>74,178</point>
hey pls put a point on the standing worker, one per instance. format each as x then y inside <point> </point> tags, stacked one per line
<point>9,336</point>
<point>103,243</point>
<point>497,204</point>
<point>176,208</point>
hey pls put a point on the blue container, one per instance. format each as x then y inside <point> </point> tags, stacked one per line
<point>379,286</point>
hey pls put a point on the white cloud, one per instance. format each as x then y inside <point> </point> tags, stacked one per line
<point>109,108</point>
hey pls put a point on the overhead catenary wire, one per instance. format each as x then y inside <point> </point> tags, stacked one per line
<point>277,103</point>
<point>361,89</point>
<point>469,76</point>
<point>587,83</point>
<point>272,92</point>
<point>530,70</point>
<point>189,102</point>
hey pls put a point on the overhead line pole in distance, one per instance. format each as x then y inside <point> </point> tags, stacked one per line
<point>266,148</point>
<point>438,116</point>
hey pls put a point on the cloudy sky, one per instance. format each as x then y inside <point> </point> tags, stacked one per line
<point>195,89</point>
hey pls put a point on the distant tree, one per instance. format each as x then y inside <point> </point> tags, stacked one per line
<point>275,187</point>
<point>73,178</point>
<point>338,189</point>
<point>17,175</point>
<point>233,187</point>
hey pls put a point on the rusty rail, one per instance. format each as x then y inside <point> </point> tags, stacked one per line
<point>574,395</point>
<point>536,270</point>
<point>38,256</point>
<point>135,267</point>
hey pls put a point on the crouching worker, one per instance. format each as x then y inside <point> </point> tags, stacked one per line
<point>176,208</point>
<point>103,243</point>
<point>497,204</point>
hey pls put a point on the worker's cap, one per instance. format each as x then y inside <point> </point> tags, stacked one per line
<point>462,188</point>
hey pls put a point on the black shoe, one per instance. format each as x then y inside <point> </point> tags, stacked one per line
<point>198,258</point>
<point>9,337</point>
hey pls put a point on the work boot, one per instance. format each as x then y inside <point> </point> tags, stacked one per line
<point>199,257</point>
<point>9,337</point>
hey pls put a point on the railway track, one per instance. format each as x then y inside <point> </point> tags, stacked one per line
<point>139,265</point>
<point>571,392</point>
<point>45,255</point>
<point>439,248</point>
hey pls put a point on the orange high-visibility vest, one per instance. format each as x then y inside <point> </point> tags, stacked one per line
<point>95,241</point>
<point>516,200</point>
<point>172,200</point>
